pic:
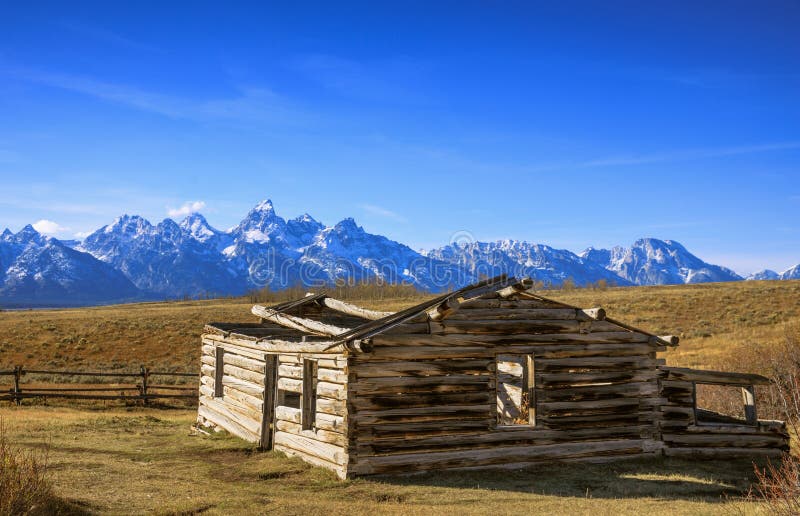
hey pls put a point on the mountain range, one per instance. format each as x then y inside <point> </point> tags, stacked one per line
<point>132,259</point>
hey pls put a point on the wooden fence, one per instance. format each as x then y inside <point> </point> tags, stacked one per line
<point>141,389</point>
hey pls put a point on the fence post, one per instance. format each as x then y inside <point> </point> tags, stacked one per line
<point>145,377</point>
<point>17,388</point>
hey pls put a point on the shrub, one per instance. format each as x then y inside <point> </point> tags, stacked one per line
<point>24,486</point>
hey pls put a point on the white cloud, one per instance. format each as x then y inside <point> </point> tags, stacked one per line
<point>80,235</point>
<point>48,227</point>
<point>383,212</point>
<point>187,208</point>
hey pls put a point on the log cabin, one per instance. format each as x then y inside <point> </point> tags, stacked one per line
<point>490,375</point>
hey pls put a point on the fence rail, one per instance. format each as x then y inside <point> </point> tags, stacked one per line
<point>144,390</point>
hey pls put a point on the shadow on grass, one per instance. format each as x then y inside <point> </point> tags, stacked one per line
<point>663,478</point>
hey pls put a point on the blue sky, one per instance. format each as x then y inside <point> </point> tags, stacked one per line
<point>573,124</point>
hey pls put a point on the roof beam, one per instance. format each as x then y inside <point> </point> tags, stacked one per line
<point>351,309</point>
<point>297,323</point>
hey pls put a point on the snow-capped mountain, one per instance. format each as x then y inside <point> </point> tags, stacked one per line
<point>346,251</point>
<point>540,262</point>
<point>39,271</point>
<point>764,274</point>
<point>166,260</point>
<point>134,259</point>
<point>793,273</point>
<point>650,261</point>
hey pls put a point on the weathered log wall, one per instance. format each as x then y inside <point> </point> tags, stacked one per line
<point>422,402</point>
<point>240,409</point>
<point>684,435</point>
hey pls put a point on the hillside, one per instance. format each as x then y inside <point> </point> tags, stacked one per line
<point>222,475</point>
<point>714,321</point>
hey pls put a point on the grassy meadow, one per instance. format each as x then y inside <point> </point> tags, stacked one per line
<point>109,458</point>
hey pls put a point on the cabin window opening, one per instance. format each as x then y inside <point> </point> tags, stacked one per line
<point>219,369</point>
<point>289,399</point>
<point>716,404</point>
<point>516,395</point>
<point>309,405</point>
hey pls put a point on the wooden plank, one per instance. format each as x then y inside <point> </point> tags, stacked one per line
<point>309,400</point>
<point>268,416</point>
<point>219,355</point>
<point>722,453</point>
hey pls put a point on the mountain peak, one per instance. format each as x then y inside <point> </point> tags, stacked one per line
<point>764,274</point>
<point>198,227</point>
<point>265,205</point>
<point>129,224</point>
<point>348,225</point>
<point>6,234</point>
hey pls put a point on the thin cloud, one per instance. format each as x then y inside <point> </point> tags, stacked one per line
<point>249,104</point>
<point>688,154</point>
<point>383,212</point>
<point>187,208</point>
<point>48,227</point>
<point>394,80</point>
<point>105,36</point>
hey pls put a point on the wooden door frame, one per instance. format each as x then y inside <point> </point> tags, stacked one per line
<point>270,398</point>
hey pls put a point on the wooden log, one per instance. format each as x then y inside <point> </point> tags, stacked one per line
<point>331,390</point>
<point>512,435</point>
<point>493,456</point>
<point>306,446</point>
<point>244,386</point>
<point>431,401</point>
<point>420,414</point>
<point>245,417</point>
<point>722,453</point>
<point>251,402</point>
<point>373,369</point>
<point>714,377</point>
<point>331,406</point>
<point>298,323</point>
<point>290,384</point>
<point>521,286</point>
<point>256,366</point>
<point>281,346</point>
<point>443,309</point>
<point>341,470</point>
<point>243,374</point>
<point>288,414</point>
<point>350,309</point>
<point>529,314</point>
<point>224,422</point>
<point>720,440</point>
<point>333,423</point>
<point>499,341</point>
<point>332,376</point>
<point>290,371</point>
<point>324,436</point>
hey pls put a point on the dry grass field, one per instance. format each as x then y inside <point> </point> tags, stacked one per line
<point>116,459</point>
